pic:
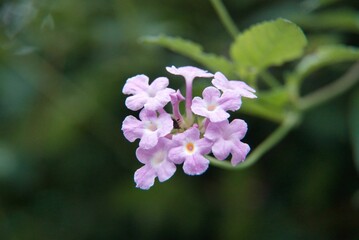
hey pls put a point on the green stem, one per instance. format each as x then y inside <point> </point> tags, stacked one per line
<point>225,18</point>
<point>344,83</point>
<point>269,79</point>
<point>291,121</point>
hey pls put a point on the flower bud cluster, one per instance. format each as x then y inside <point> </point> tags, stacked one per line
<point>169,139</point>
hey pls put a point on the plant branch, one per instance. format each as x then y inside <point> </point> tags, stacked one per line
<point>269,79</point>
<point>344,83</point>
<point>225,18</point>
<point>288,124</point>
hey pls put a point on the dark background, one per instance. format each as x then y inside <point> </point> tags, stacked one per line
<point>66,171</point>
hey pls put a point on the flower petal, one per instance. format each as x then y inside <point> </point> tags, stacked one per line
<point>148,140</point>
<point>237,128</point>
<point>220,81</point>
<point>195,164</point>
<point>165,171</point>
<point>239,152</point>
<point>215,130</point>
<point>221,149</point>
<point>211,94</point>
<point>230,101</point>
<point>145,177</point>
<point>159,84</point>
<point>177,154</point>
<point>136,102</point>
<point>132,128</point>
<point>136,84</point>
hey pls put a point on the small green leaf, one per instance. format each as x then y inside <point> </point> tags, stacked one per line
<point>194,51</point>
<point>267,44</point>
<point>354,126</point>
<point>324,56</point>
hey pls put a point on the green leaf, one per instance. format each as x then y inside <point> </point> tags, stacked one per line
<point>267,44</point>
<point>354,126</point>
<point>324,56</point>
<point>344,19</point>
<point>194,51</point>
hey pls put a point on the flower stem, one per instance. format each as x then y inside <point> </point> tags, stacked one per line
<point>189,116</point>
<point>344,83</point>
<point>269,79</point>
<point>225,18</point>
<point>289,123</point>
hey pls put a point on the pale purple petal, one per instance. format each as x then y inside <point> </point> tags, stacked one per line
<point>177,154</point>
<point>148,115</point>
<point>195,164</point>
<point>230,101</point>
<point>149,139</point>
<point>240,88</point>
<point>189,72</point>
<point>221,149</point>
<point>204,146</point>
<point>135,84</point>
<point>166,171</point>
<point>211,94</point>
<point>159,84</point>
<point>165,124</point>
<point>136,102</point>
<point>239,152</point>
<point>199,106</point>
<point>220,81</point>
<point>218,115</point>
<point>144,155</point>
<point>145,177</point>
<point>238,128</point>
<point>214,130</point>
<point>132,128</point>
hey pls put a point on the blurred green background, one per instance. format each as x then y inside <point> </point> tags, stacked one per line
<point>66,171</point>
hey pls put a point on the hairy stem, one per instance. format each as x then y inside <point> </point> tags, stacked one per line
<point>290,121</point>
<point>344,83</point>
<point>225,18</point>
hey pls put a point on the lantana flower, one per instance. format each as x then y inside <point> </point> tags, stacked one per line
<point>214,105</point>
<point>226,138</point>
<point>189,150</point>
<point>156,164</point>
<point>241,88</point>
<point>153,97</point>
<point>170,139</point>
<point>189,73</point>
<point>148,129</point>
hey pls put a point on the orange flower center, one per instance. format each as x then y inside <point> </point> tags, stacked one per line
<point>190,147</point>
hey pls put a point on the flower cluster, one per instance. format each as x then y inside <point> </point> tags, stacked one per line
<point>166,140</point>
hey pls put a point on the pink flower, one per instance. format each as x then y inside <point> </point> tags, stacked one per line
<point>156,164</point>
<point>151,97</point>
<point>176,98</point>
<point>189,150</point>
<point>227,138</point>
<point>189,73</point>
<point>214,106</point>
<point>238,87</point>
<point>149,129</point>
